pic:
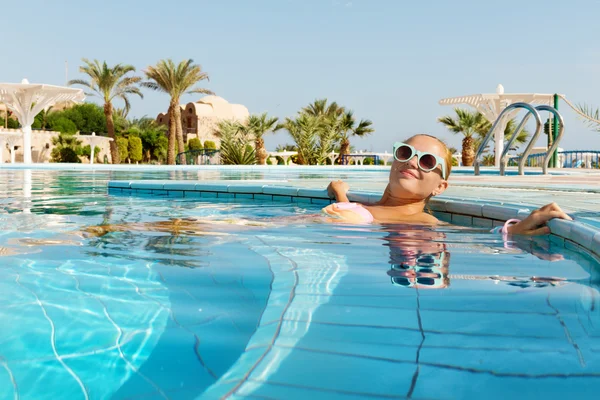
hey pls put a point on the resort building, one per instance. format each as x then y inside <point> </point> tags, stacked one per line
<point>200,118</point>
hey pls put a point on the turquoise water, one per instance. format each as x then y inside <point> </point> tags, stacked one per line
<point>184,298</point>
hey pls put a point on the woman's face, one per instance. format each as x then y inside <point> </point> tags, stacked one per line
<point>418,258</point>
<point>407,180</point>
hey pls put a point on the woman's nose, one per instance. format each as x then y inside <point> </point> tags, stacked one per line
<point>413,162</point>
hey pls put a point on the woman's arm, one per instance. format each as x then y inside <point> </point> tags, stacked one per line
<point>338,189</point>
<point>535,223</point>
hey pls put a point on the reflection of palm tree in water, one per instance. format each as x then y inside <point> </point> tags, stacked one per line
<point>419,259</point>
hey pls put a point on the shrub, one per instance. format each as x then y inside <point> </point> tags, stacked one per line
<point>123,147</point>
<point>66,149</point>
<point>195,144</point>
<point>63,125</point>
<point>135,149</point>
<point>86,151</point>
<point>11,124</point>
<point>210,145</point>
<point>87,117</point>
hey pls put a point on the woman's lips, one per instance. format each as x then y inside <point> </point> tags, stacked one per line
<point>409,174</point>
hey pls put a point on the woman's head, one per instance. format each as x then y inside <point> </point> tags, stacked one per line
<point>418,258</point>
<point>408,179</point>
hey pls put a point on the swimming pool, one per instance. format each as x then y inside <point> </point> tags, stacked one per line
<point>227,297</point>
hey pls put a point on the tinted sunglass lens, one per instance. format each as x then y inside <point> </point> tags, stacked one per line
<point>403,153</point>
<point>427,162</point>
<point>426,259</point>
<point>401,281</point>
<point>402,267</point>
<point>426,281</point>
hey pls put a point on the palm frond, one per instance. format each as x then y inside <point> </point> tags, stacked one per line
<point>589,113</point>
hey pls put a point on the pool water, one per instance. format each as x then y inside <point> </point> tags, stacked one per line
<point>183,298</point>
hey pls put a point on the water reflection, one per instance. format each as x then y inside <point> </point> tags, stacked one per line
<point>419,258</point>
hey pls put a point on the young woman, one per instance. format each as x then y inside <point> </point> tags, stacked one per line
<point>420,171</point>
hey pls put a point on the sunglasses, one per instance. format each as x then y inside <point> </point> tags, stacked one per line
<point>426,161</point>
<point>406,282</point>
<point>426,264</point>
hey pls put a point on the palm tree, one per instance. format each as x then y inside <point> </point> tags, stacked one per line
<point>235,143</point>
<point>328,136</point>
<point>469,124</point>
<point>258,125</point>
<point>338,118</point>
<point>348,127</point>
<point>109,83</point>
<point>305,129</point>
<point>320,108</point>
<point>590,115</point>
<point>176,80</point>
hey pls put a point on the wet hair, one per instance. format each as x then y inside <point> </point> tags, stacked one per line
<point>448,154</point>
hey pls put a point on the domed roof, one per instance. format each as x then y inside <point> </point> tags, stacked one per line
<point>201,108</point>
<point>216,107</point>
<point>213,100</point>
<point>240,112</point>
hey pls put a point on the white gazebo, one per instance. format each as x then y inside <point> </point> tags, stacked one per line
<point>26,100</point>
<point>491,105</point>
<point>93,140</point>
<point>8,139</point>
<point>284,154</point>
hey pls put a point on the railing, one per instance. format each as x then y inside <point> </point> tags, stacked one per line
<point>566,159</point>
<point>561,131</point>
<point>538,120</point>
<point>199,157</point>
<point>345,159</point>
<point>524,158</point>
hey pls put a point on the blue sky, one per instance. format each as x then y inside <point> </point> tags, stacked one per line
<point>388,60</point>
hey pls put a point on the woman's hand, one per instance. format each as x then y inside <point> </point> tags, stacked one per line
<point>338,189</point>
<point>535,223</point>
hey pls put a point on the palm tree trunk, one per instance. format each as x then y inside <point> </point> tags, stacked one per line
<point>344,147</point>
<point>468,151</point>
<point>261,152</point>
<point>179,126</point>
<point>172,133</point>
<point>110,127</point>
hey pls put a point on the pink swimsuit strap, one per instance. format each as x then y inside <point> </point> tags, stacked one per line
<point>358,209</point>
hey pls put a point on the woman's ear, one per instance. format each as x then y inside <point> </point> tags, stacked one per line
<point>441,188</point>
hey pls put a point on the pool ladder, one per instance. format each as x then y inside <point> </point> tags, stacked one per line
<point>531,110</point>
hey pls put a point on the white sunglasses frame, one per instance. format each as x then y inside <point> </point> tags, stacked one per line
<point>439,160</point>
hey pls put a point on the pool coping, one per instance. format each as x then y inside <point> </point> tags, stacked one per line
<point>480,213</point>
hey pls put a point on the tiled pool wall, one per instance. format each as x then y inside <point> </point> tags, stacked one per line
<point>573,235</point>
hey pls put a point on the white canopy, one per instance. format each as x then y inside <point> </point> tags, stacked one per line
<point>26,100</point>
<point>491,105</point>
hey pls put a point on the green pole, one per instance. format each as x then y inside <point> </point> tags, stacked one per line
<point>555,133</point>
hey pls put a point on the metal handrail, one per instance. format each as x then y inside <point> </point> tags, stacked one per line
<point>524,157</point>
<point>485,140</point>
<point>190,154</point>
<point>592,155</point>
<point>504,156</point>
<point>561,131</point>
